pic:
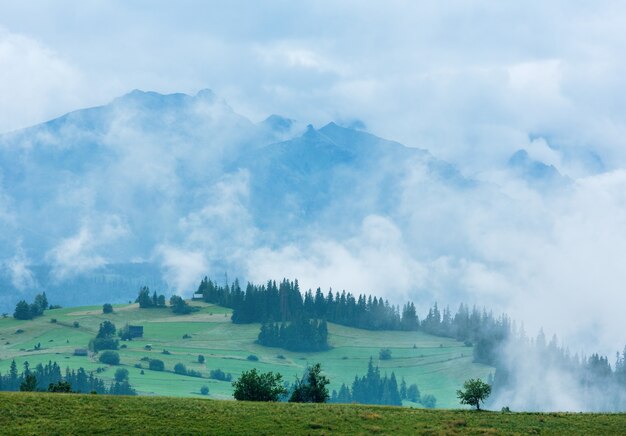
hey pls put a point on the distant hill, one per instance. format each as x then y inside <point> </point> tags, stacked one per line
<point>437,365</point>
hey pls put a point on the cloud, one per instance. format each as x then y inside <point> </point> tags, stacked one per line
<point>183,268</point>
<point>81,252</point>
<point>35,82</point>
<point>21,276</point>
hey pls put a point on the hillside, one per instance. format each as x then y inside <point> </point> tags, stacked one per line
<point>22,413</point>
<point>437,365</point>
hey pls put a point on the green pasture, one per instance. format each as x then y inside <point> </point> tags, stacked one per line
<point>437,365</point>
<point>43,413</point>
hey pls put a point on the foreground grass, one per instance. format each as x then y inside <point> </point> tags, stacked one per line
<point>26,413</point>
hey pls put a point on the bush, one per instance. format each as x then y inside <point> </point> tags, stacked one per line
<point>53,320</point>
<point>312,388</point>
<point>186,336</point>
<point>252,358</point>
<point>98,344</point>
<point>413,393</point>
<point>280,356</point>
<point>121,374</point>
<point>218,374</point>
<point>253,386</point>
<point>75,324</point>
<point>109,357</point>
<point>62,387</point>
<point>204,390</point>
<point>200,358</point>
<point>165,352</point>
<point>385,354</point>
<point>156,365</point>
<point>107,308</point>
<point>194,373</point>
<point>429,401</point>
<point>179,368</point>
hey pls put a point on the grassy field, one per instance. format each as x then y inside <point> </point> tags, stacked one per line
<point>30,413</point>
<point>438,365</point>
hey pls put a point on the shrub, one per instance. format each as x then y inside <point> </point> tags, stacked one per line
<point>18,331</point>
<point>218,374</point>
<point>280,356</point>
<point>138,365</point>
<point>165,352</point>
<point>200,358</point>
<point>312,388</point>
<point>156,365</point>
<point>75,324</point>
<point>385,354</point>
<point>107,308</point>
<point>123,346</point>
<point>62,387</point>
<point>254,386</point>
<point>145,359</point>
<point>98,344</point>
<point>148,347</point>
<point>179,368</point>
<point>194,373</point>
<point>429,401</point>
<point>121,374</point>
<point>186,336</point>
<point>53,320</point>
<point>109,357</point>
<point>253,358</point>
<point>54,306</point>
<point>204,390</point>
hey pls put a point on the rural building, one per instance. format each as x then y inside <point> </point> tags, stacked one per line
<point>80,352</point>
<point>135,331</point>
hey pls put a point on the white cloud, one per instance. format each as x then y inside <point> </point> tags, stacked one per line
<point>183,268</point>
<point>81,252</point>
<point>35,82</point>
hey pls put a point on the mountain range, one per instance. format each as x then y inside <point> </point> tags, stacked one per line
<point>162,189</point>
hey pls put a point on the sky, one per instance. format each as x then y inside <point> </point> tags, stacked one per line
<point>471,81</point>
<point>467,80</point>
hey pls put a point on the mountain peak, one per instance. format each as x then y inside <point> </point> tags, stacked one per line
<point>206,94</point>
<point>278,123</point>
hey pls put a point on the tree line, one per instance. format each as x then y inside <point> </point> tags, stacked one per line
<point>283,302</point>
<point>299,335</point>
<point>43,376</point>
<point>372,388</point>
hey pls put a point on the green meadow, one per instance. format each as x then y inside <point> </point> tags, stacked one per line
<point>437,365</point>
<point>42,413</point>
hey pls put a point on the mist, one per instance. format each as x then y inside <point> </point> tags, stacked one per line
<point>505,188</point>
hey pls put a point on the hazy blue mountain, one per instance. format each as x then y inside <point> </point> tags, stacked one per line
<point>112,185</point>
<point>535,172</point>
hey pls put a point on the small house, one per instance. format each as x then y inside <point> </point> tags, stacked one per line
<point>80,352</point>
<point>135,331</point>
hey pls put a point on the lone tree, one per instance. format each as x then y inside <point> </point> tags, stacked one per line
<point>311,388</point>
<point>255,386</point>
<point>474,392</point>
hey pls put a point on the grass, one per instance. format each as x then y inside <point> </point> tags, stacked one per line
<point>29,413</point>
<point>439,366</point>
